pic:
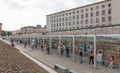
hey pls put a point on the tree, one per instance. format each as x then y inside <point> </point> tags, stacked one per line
<point>6,33</point>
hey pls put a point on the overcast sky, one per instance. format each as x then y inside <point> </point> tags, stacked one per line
<point>15,14</point>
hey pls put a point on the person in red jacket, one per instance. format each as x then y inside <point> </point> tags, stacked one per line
<point>112,61</point>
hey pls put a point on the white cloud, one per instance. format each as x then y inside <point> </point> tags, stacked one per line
<point>15,14</point>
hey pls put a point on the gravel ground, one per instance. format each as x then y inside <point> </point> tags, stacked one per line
<point>12,61</point>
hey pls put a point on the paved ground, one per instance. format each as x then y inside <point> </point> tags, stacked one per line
<point>12,61</point>
<point>53,59</point>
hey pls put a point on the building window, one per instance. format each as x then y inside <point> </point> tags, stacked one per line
<point>91,14</point>
<point>103,19</point>
<point>87,21</point>
<point>81,21</point>
<point>77,11</point>
<point>103,12</point>
<point>109,5</point>
<point>66,23</point>
<point>57,20</point>
<point>77,16</point>
<point>97,13</point>
<point>63,24</point>
<point>60,19</point>
<point>69,23</point>
<point>97,20</point>
<point>97,7</point>
<point>60,15</point>
<point>69,13</point>
<point>109,18</point>
<point>63,14</point>
<point>109,11</point>
<point>91,8</point>
<point>81,26</point>
<point>73,17</point>
<point>82,16</point>
<point>77,22</point>
<point>91,21</point>
<point>86,10</point>
<point>86,14</point>
<point>60,24</point>
<point>103,6</point>
<point>81,11</point>
<point>63,19</point>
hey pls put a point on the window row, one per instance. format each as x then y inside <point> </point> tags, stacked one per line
<point>91,21</point>
<point>81,16</point>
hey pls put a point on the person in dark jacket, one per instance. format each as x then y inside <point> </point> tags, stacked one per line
<point>67,51</point>
<point>80,55</point>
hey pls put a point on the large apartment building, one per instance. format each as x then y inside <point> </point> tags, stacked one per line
<point>97,18</point>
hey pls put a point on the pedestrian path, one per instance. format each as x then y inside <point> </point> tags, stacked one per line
<point>51,60</point>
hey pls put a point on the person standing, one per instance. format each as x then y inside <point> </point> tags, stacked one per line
<point>12,42</point>
<point>112,61</point>
<point>67,51</point>
<point>58,50</point>
<point>91,58</point>
<point>25,43</point>
<point>62,50</point>
<point>48,49</point>
<point>80,55</point>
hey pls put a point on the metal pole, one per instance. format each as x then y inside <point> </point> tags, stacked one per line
<point>73,48</point>
<point>50,45</point>
<point>95,64</point>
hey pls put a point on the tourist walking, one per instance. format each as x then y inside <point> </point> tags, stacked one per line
<point>91,58</point>
<point>32,44</point>
<point>80,55</point>
<point>67,51</point>
<point>25,43</point>
<point>12,42</point>
<point>48,49</point>
<point>62,50</point>
<point>59,50</point>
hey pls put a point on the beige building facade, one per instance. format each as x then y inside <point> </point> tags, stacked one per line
<point>97,18</point>
<point>33,30</point>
